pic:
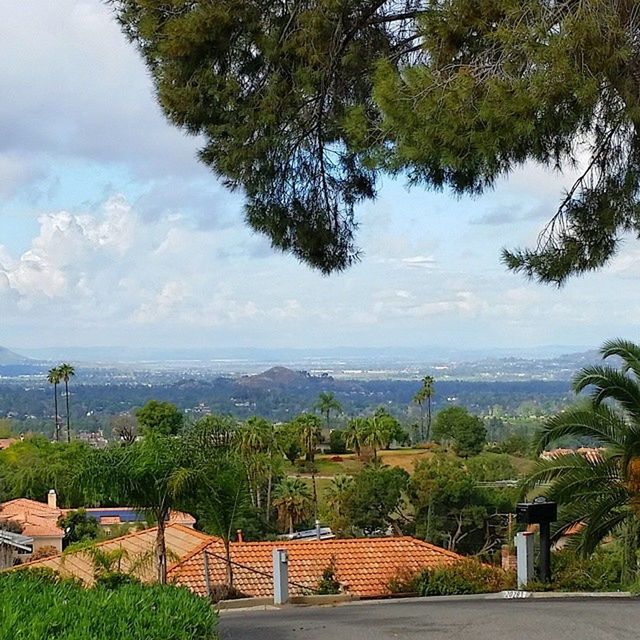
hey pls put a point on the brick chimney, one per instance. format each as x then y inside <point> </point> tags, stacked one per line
<point>52,499</point>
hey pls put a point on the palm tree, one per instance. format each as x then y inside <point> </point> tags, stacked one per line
<point>375,435</point>
<point>425,393</point>
<point>354,434</point>
<point>152,475</point>
<point>54,377</point>
<point>601,492</point>
<point>310,433</point>
<point>327,402</point>
<point>337,492</point>
<point>293,501</point>
<point>67,371</point>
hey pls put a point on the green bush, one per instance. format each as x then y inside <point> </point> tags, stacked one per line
<point>466,576</point>
<point>602,571</point>
<point>39,605</point>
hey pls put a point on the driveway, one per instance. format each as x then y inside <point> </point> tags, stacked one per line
<point>571,619</point>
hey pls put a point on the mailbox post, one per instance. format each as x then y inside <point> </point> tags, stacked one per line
<point>541,512</point>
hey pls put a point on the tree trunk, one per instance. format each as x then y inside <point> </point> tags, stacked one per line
<point>161,548</point>
<point>290,523</point>
<point>630,552</point>
<point>55,405</point>
<point>227,553</point>
<point>421,421</point>
<point>66,392</point>
<point>267,514</point>
<point>429,419</point>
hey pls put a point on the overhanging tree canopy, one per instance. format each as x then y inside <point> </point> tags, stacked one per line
<point>303,103</point>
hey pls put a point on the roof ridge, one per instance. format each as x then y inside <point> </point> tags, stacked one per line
<point>199,549</point>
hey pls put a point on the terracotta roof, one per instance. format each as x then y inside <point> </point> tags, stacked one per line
<point>180,540</point>
<point>6,442</point>
<point>592,454</point>
<point>363,566</point>
<point>36,518</point>
<point>179,517</point>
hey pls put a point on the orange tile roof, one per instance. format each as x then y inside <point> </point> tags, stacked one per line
<point>6,442</point>
<point>180,540</point>
<point>36,518</point>
<point>363,566</point>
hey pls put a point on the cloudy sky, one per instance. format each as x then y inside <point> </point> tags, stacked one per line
<point>111,232</point>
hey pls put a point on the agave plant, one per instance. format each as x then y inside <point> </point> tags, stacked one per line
<point>599,492</point>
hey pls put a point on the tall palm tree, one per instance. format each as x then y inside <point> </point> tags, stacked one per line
<point>337,492</point>
<point>67,371</point>
<point>54,377</point>
<point>326,403</point>
<point>425,393</point>
<point>293,501</point>
<point>601,492</point>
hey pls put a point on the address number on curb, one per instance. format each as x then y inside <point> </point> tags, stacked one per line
<point>512,595</point>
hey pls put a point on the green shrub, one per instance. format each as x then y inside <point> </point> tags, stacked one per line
<point>39,605</point>
<point>328,583</point>
<point>602,571</point>
<point>466,576</point>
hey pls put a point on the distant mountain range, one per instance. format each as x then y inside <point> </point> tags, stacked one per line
<point>287,356</point>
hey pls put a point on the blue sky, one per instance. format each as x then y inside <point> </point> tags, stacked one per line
<point>111,232</point>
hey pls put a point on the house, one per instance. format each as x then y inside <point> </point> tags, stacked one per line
<point>11,546</point>
<point>6,442</point>
<point>181,541</point>
<point>364,567</point>
<point>37,520</point>
<point>107,517</point>
<point>40,521</point>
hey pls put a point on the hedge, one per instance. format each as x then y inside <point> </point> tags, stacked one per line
<point>37,604</point>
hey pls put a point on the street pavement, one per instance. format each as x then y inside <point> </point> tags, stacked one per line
<point>571,619</point>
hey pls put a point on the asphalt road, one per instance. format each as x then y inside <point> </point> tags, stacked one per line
<point>596,619</point>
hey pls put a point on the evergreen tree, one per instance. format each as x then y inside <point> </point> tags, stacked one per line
<point>303,104</point>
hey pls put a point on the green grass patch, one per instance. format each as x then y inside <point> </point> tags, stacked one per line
<point>35,605</point>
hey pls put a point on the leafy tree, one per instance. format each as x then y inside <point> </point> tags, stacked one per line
<point>425,393</point>
<point>160,417</point>
<point>125,428</point>
<point>31,467</point>
<point>217,431</point>
<point>337,441</point>
<point>289,441</point>
<point>66,372</point>
<point>375,500</point>
<point>601,492</point>
<point>54,377</point>
<point>489,467</point>
<point>451,510</point>
<point>466,431</point>
<point>293,502</point>
<point>326,403</point>
<point>78,526</point>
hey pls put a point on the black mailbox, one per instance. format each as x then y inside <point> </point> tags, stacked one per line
<point>536,512</point>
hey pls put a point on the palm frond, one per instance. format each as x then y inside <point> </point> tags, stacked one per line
<point>628,351</point>
<point>610,384</point>
<point>599,423</point>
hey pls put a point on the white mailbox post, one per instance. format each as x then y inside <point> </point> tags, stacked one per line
<point>280,576</point>
<point>524,552</point>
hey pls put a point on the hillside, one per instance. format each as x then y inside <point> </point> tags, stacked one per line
<point>9,358</point>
